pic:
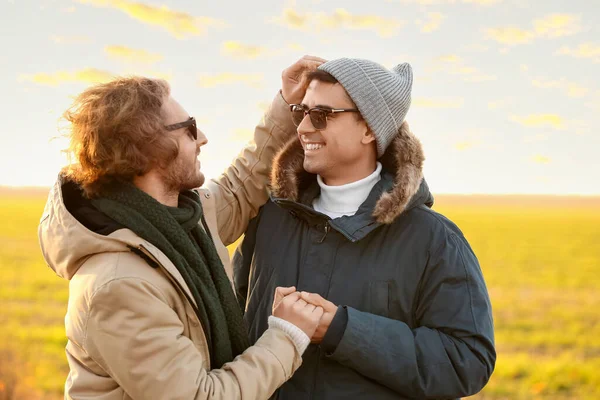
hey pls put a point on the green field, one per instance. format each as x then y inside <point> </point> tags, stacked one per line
<point>540,257</point>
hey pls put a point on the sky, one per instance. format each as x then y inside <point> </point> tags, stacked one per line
<point>506,97</point>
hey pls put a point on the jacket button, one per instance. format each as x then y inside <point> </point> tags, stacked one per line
<point>207,195</point>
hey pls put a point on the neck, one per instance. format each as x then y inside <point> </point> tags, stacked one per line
<point>153,185</point>
<point>349,175</point>
<point>346,199</point>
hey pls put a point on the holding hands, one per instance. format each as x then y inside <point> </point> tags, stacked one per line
<point>308,311</point>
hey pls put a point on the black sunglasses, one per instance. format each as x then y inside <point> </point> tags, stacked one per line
<point>318,115</point>
<point>190,124</point>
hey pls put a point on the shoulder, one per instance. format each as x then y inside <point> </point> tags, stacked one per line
<point>114,269</point>
<point>432,224</point>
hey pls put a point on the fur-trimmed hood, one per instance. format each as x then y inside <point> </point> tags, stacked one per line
<point>403,158</point>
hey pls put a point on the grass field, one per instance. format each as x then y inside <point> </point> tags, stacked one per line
<point>540,257</point>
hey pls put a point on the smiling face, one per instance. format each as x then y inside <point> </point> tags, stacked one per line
<point>344,151</point>
<point>183,173</point>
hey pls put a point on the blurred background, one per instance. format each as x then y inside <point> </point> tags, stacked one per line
<point>506,101</point>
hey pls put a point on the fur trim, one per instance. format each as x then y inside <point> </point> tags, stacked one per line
<point>404,157</point>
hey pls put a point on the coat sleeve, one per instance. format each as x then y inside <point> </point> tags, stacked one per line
<point>135,336</point>
<point>242,189</point>
<point>450,353</point>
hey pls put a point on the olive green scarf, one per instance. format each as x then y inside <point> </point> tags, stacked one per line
<point>178,234</point>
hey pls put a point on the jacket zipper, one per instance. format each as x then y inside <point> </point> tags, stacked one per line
<point>326,229</point>
<point>283,201</point>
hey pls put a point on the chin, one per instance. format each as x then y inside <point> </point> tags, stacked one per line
<point>311,167</point>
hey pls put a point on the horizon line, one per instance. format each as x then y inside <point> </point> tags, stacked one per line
<point>508,194</point>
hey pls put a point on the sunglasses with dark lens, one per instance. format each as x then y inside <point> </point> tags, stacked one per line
<point>318,115</point>
<point>190,124</point>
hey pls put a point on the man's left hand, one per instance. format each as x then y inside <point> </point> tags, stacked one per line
<point>329,312</point>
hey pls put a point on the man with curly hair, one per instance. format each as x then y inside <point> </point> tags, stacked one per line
<point>152,313</point>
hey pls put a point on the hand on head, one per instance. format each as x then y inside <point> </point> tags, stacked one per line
<point>293,78</point>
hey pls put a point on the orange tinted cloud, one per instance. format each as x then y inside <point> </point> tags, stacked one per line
<point>454,65</point>
<point>240,50</point>
<point>339,19</point>
<point>539,159</point>
<point>433,22</point>
<point>177,23</point>
<point>87,75</point>
<point>584,50</point>
<point>549,26</point>
<point>570,88</point>
<point>538,120</point>
<point>128,54</point>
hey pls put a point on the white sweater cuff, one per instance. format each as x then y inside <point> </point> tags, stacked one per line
<point>300,339</point>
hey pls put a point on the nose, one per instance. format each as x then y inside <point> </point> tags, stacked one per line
<point>306,125</point>
<point>202,140</point>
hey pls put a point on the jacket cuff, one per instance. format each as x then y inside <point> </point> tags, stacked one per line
<point>300,339</point>
<point>336,331</point>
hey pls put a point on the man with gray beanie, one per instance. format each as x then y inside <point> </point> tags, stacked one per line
<point>349,223</point>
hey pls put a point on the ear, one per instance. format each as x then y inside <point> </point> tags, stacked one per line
<point>367,137</point>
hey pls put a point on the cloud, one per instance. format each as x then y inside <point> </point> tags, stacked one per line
<point>539,159</point>
<point>455,65</point>
<point>438,103</point>
<point>87,75</point>
<point>339,19</point>
<point>550,26</point>
<point>437,2</point>
<point>572,89</point>
<point>227,78</point>
<point>557,25</point>
<point>432,23</point>
<point>509,35</point>
<point>127,54</point>
<point>70,39</point>
<point>177,23</point>
<point>537,120</point>
<point>584,50</point>
<point>462,146</point>
<point>242,51</point>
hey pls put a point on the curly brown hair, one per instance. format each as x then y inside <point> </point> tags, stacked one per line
<point>117,132</point>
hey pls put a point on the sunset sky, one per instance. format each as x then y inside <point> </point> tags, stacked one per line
<point>506,97</point>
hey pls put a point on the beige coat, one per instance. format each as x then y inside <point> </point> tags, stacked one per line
<point>132,331</point>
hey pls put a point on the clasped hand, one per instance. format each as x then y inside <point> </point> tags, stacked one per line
<point>308,311</point>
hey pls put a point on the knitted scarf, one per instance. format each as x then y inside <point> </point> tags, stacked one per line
<point>177,233</point>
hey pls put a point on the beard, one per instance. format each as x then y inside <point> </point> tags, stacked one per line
<point>181,176</point>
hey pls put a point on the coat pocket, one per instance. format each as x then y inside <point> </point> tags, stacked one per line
<point>379,298</point>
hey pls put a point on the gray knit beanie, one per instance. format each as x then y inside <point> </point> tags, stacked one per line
<point>382,96</point>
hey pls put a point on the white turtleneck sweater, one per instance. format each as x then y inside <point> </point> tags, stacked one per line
<point>336,201</point>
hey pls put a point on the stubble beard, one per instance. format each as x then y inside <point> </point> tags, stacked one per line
<point>179,177</point>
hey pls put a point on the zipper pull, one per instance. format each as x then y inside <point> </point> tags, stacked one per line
<point>326,232</point>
